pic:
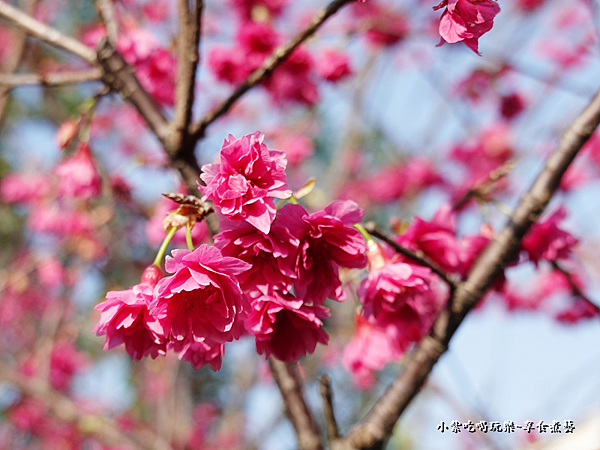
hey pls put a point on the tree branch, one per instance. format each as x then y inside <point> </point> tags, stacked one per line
<point>417,257</point>
<point>50,79</point>
<point>288,380</point>
<point>107,14</point>
<point>278,56</point>
<point>46,33</point>
<point>377,426</point>
<point>190,28</point>
<point>330,422</point>
<point>11,62</point>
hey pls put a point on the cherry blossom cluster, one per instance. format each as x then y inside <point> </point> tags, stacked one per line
<point>268,274</point>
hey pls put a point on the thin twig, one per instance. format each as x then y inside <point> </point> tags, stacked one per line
<point>278,56</point>
<point>330,422</point>
<point>575,289</point>
<point>417,256</point>
<point>50,79</point>
<point>288,380</point>
<point>107,14</point>
<point>46,33</point>
<point>377,426</point>
<point>484,189</point>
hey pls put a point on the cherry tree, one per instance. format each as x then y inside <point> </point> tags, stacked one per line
<point>193,189</point>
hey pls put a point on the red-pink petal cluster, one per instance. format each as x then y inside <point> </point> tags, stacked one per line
<point>285,326</point>
<point>78,175</point>
<point>545,240</point>
<point>244,184</point>
<point>334,65</point>
<point>126,319</point>
<point>327,241</point>
<point>466,20</point>
<point>202,300</point>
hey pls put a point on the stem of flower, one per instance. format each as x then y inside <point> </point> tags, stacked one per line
<point>364,232</point>
<point>163,247</point>
<point>188,237</point>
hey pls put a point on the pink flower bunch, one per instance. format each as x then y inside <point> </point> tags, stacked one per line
<point>255,41</point>
<point>24,188</point>
<point>382,25</point>
<point>285,326</point>
<point>292,81</point>
<point>155,66</point>
<point>78,175</point>
<point>545,240</point>
<point>193,312</point>
<point>334,65</point>
<point>466,20</point>
<point>302,254</point>
<point>436,239</point>
<point>244,184</point>
<point>394,182</point>
<point>202,301</point>
<point>126,319</point>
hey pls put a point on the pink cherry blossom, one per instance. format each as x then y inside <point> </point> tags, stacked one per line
<point>271,256</point>
<point>78,175</point>
<point>545,240</point>
<point>65,362</point>
<point>382,25</point>
<point>511,105</point>
<point>436,239</point>
<point>244,184</point>
<point>466,20</point>
<point>202,300</point>
<point>327,241</point>
<point>200,353</point>
<point>126,319</point>
<point>285,326</point>
<point>579,310</point>
<point>293,81</point>
<point>24,188</point>
<point>334,65</point>
<point>395,285</point>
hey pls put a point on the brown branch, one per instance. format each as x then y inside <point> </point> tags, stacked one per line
<point>288,380</point>
<point>65,410</point>
<point>50,79</point>
<point>188,43</point>
<point>278,56</point>
<point>417,256</point>
<point>107,14</point>
<point>377,426</point>
<point>330,422</point>
<point>46,33</point>
<point>11,62</point>
<point>120,77</point>
<point>484,189</point>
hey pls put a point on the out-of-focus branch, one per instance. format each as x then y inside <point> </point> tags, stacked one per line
<point>483,190</point>
<point>66,410</point>
<point>288,380</point>
<point>377,426</point>
<point>417,257</point>
<point>50,79</point>
<point>11,62</point>
<point>120,77</point>
<point>575,290</point>
<point>330,422</point>
<point>278,56</point>
<point>107,14</point>
<point>190,28</point>
<point>46,33</point>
